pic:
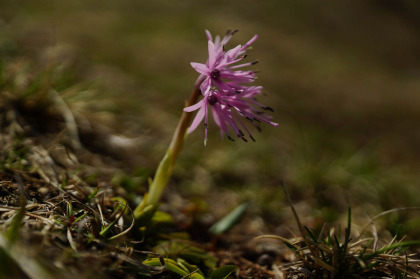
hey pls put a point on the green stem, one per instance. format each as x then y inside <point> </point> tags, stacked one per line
<point>164,170</point>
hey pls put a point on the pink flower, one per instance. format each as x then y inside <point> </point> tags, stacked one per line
<point>225,92</point>
<point>219,65</point>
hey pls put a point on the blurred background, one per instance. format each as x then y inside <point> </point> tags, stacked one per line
<point>343,78</point>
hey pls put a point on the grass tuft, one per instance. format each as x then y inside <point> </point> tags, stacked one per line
<point>336,255</point>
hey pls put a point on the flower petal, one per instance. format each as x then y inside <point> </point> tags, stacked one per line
<point>197,120</point>
<point>194,107</point>
<point>209,37</point>
<point>205,86</point>
<point>212,54</point>
<point>253,39</point>
<point>201,68</point>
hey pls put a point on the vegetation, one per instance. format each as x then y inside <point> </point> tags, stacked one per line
<point>90,94</point>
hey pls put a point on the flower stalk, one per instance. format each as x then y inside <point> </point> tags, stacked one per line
<point>164,170</point>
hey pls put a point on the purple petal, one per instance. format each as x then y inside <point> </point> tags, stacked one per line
<point>233,53</point>
<point>209,37</point>
<point>194,107</point>
<point>201,68</point>
<point>205,86</point>
<point>221,121</point>
<point>253,39</point>
<point>212,55</point>
<point>197,120</point>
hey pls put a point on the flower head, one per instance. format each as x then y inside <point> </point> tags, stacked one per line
<point>226,92</point>
<point>219,66</point>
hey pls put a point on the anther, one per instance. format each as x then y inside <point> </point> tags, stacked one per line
<point>244,139</point>
<point>255,62</point>
<point>268,108</point>
<point>230,138</point>
<point>215,74</point>
<point>252,138</point>
<point>212,99</point>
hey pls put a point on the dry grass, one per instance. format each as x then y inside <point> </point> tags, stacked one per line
<point>337,254</point>
<point>56,197</point>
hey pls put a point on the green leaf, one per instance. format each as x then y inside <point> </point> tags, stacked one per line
<point>230,220</point>
<point>197,273</point>
<point>69,210</point>
<point>122,203</point>
<point>185,250</point>
<point>162,217</point>
<point>290,246</point>
<point>175,267</point>
<point>163,173</point>
<point>223,272</point>
<point>145,215</point>
<point>13,231</point>
<point>93,194</point>
<point>311,235</point>
<point>108,228</point>
<point>390,248</point>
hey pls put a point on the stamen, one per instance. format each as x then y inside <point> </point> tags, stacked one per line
<point>215,74</point>
<point>212,99</point>
<point>268,108</point>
